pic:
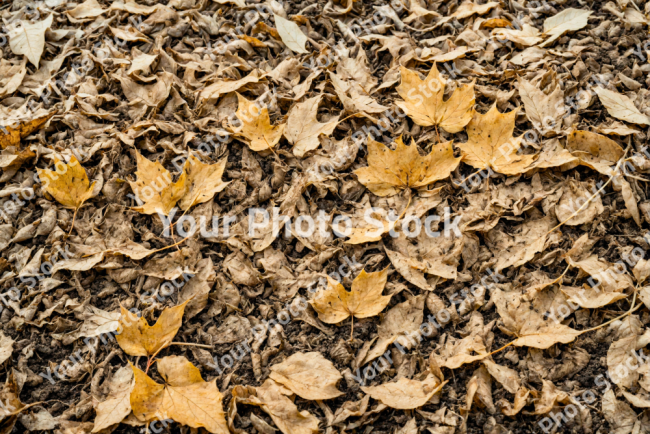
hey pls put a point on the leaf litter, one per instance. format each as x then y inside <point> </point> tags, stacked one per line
<point>465,185</point>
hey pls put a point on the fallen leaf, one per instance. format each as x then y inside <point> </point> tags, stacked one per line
<point>389,171</point>
<point>29,39</point>
<point>68,184</point>
<point>154,187</point>
<point>117,404</point>
<point>137,338</point>
<point>303,128</point>
<point>184,397</point>
<point>526,319</point>
<point>423,100</point>
<point>568,20</point>
<point>621,107</point>
<point>405,394</point>
<point>364,300</point>
<point>201,180</point>
<point>272,398</point>
<point>291,34</point>
<point>308,375</point>
<point>256,125</point>
<point>490,143</point>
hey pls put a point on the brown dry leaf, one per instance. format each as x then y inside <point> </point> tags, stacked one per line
<point>526,320</point>
<point>490,143</point>
<point>405,394</point>
<point>291,34</point>
<point>68,184</point>
<point>468,8</point>
<point>28,39</point>
<point>364,300</point>
<point>423,100</point>
<point>577,195</point>
<point>274,399</point>
<point>154,187</point>
<point>528,35</point>
<point>401,320</point>
<point>621,107</point>
<point>137,338</point>
<point>389,171</point>
<point>303,128</point>
<point>479,390</point>
<point>621,417</point>
<point>568,20</point>
<point>202,181</point>
<point>509,378</point>
<point>308,375</point>
<point>184,397</point>
<point>629,338</point>
<point>256,125</point>
<point>117,404</point>
<point>545,110</point>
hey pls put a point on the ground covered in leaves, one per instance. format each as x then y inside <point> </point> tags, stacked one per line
<point>395,217</point>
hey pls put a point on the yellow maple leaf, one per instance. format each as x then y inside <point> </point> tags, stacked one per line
<point>68,184</point>
<point>490,143</point>
<point>11,135</point>
<point>184,397</point>
<point>335,304</point>
<point>137,338</point>
<point>423,100</point>
<point>203,181</point>
<point>389,171</point>
<point>154,187</point>
<point>256,125</point>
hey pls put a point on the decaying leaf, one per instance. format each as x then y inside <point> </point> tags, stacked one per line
<point>256,125</point>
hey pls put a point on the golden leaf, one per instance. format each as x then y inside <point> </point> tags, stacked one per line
<point>364,300</point>
<point>389,171</point>
<point>154,187</point>
<point>68,184</point>
<point>184,397</point>
<point>203,181</point>
<point>257,126</point>
<point>490,143</point>
<point>308,375</point>
<point>11,135</point>
<point>138,338</point>
<point>405,394</point>
<point>116,405</point>
<point>423,100</point>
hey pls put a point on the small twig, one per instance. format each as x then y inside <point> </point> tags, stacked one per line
<point>191,344</point>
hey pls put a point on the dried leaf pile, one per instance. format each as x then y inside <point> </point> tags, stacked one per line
<point>246,216</point>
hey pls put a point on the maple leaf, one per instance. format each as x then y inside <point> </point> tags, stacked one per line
<point>302,129</point>
<point>184,397</point>
<point>137,338</point>
<point>389,171</point>
<point>364,300</point>
<point>11,135</point>
<point>490,143</point>
<point>256,125</point>
<point>154,187</point>
<point>68,184</point>
<point>202,181</point>
<point>308,375</point>
<point>423,100</point>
